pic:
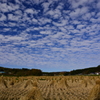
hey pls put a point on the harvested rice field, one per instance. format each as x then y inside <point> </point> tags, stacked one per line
<point>50,88</point>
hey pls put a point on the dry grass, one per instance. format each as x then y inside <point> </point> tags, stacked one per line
<point>34,94</point>
<point>50,88</point>
<point>95,92</point>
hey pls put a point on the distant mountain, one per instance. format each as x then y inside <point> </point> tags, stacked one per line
<point>38,72</point>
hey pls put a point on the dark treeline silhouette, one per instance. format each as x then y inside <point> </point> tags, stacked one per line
<point>20,72</point>
<point>86,70</point>
<point>38,72</point>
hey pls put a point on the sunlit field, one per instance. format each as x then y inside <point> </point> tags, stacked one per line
<point>50,88</point>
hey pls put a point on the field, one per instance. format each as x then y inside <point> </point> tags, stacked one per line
<point>50,88</point>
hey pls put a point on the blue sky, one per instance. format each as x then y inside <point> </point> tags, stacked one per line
<point>51,35</point>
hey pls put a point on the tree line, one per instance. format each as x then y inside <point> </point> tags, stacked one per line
<point>38,72</point>
<point>20,72</point>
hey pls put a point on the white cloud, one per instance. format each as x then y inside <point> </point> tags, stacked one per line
<point>18,12</point>
<point>56,16</point>
<point>26,18</point>
<point>95,20</point>
<point>80,26</point>
<point>92,33</point>
<point>98,14</point>
<point>6,39</point>
<point>44,21</point>
<point>75,31</point>
<point>78,12</point>
<point>35,20</point>
<point>63,29</point>
<point>4,1</point>
<point>87,16</point>
<point>93,14</point>
<point>57,49</point>
<point>1,36</point>
<point>46,6</point>
<point>62,23</point>
<point>6,29</point>
<point>31,11</point>
<point>75,13</point>
<point>58,35</point>
<point>45,32</point>
<point>13,7</point>
<point>60,6</point>
<point>13,17</point>
<point>69,27</point>
<point>90,1</point>
<point>84,43</point>
<point>51,12</point>
<point>76,22</point>
<point>3,7</point>
<point>98,5</point>
<point>10,16</point>
<point>14,38</point>
<point>11,24</point>
<point>2,17</point>
<point>77,3</point>
<point>83,30</point>
<point>17,1</point>
<point>36,1</point>
<point>83,10</point>
<point>54,13</point>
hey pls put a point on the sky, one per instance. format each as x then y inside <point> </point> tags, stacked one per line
<point>51,35</point>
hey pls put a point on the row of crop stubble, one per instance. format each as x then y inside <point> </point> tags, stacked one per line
<point>50,88</point>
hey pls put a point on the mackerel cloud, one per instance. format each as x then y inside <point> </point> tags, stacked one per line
<point>50,33</point>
